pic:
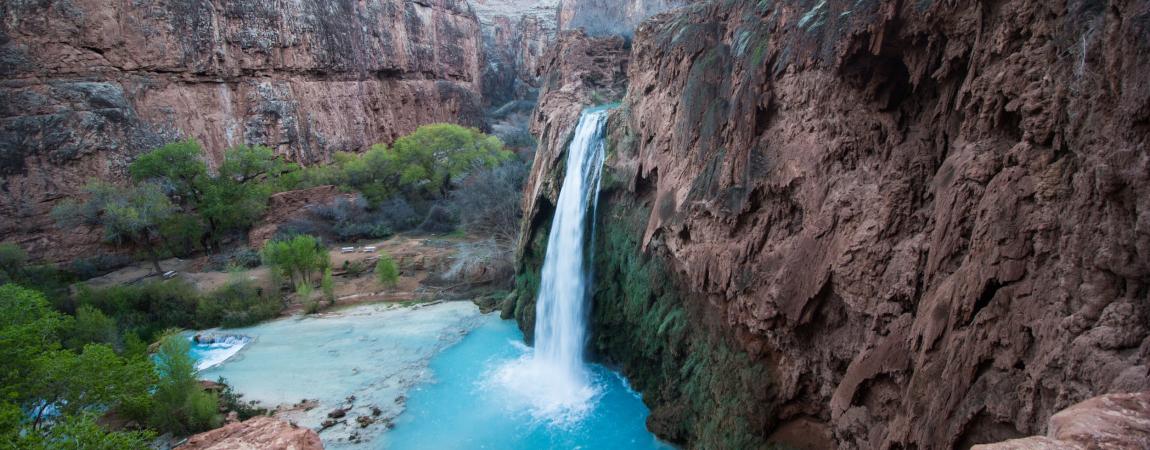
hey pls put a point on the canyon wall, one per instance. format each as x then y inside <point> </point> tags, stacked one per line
<point>866,224</point>
<point>87,85</point>
<point>611,17</point>
<point>515,35</point>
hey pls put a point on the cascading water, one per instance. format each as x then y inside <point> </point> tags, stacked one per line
<point>555,380</point>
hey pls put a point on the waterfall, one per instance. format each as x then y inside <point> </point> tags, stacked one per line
<point>554,380</point>
<point>561,308</point>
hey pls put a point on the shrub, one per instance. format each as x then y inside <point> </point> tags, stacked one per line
<point>488,203</point>
<point>237,304</point>
<point>12,261</point>
<point>181,406</point>
<point>148,308</point>
<point>439,220</point>
<point>297,259</point>
<point>231,401</point>
<point>386,271</point>
<point>328,286</point>
<point>91,327</point>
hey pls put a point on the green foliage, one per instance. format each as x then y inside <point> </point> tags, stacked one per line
<point>182,233</point>
<point>239,303</point>
<point>230,400</point>
<point>12,262</point>
<point>177,166</point>
<point>386,270</point>
<point>434,155</point>
<point>36,374</point>
<point>145,309</point>
<point>28,328</point>
<point>297,258</point>
<point>91,326</point>
<point>81,432</point>
<point>180,405</point>
<point>328,286</point>
<point>74,383</point>
<point>422,165</point>
<point>130,216</point>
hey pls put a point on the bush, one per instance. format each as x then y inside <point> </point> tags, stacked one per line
<point>489,202</point>
<point>231,401</point>
<point>297,259</point>
<point>12,261</point>
<point>148,308</point>
<point>439,220</point>
<point>181,406</point>
<point>237,304</point>
<point>88,268</point>
<point>91,327</point>
<point>328,286</point>
<point>386,271</point>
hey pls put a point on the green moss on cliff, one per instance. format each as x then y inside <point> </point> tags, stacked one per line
<point>702,390</point>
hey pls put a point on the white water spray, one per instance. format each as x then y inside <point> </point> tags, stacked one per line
<point>554,380</point>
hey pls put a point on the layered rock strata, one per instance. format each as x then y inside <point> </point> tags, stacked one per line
<point>871,224</point>
<point>85,86</point>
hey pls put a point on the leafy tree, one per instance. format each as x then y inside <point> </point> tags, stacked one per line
<point>237,197</point>
<point>81,432</point>
<point>238,303</point>
<point>91,326</point>
<point>28,328</point>
<point>96,378</point>
<point>12,262</point>
<point>130,216</point>
<point>180,405</point>
<point>177,166</point>
<point>145,309</point>
<point>432,157</point>
<point>386,270</point>
<point>297,258</point>
<point>422,165</point>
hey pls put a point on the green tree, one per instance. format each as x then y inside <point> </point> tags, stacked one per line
<point>96,378</point>
<point>91,326</point>
<point>178,167</point>
<point>12,262</point>
<point>431,158</point>
<point>81,432</point>
<point>180,405</point>
<point>386,270</point>
<point>237,197</point>
<point>297,258</point>
<point>130,216</point>
<point>28,328</point>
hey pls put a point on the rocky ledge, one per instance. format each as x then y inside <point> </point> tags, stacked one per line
<point>1116,421</point>
<point>259,433</point>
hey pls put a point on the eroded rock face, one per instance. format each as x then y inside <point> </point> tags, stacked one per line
<point>611,17</point>
<point>1115,421</point>
<point>889,224</point>
<point>515,35</point>
<point>85,86</point>
<point>259,433</point>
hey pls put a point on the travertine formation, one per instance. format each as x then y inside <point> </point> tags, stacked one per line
<point>1109,422</point>
<point>86,85</point>
<point>871,224</point>
<point>259,433</point>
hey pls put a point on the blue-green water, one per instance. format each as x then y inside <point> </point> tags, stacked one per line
<point>465,408</point>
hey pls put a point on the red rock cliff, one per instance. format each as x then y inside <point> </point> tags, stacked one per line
<point>87,85</point>
<point>873,224</point>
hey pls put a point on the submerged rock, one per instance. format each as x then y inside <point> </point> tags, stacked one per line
<point>263,433</point>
